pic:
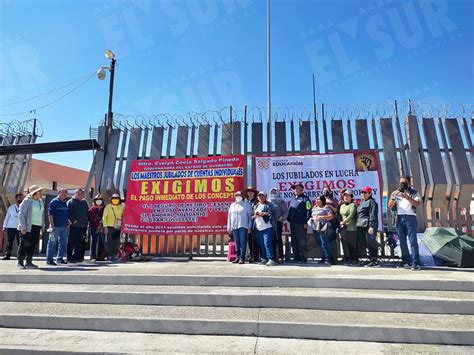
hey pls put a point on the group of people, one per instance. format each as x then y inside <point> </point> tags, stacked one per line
<point>256,220</point>
<point>68,221</point>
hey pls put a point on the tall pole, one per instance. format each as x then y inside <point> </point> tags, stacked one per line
<point>314,98</point>
<point>269,99</point>
<point>111,94</point>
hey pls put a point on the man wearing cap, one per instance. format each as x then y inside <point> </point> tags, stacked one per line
<point>367,223</point>
<point>403,203</point>
<point>77,214</point>
<point>10,225</point>
<point>58,221</point>
<point>281,214</point>
<point>30,223</point>
<point>298,215</point>
<point>112,219</point>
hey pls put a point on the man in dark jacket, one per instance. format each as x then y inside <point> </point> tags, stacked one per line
<point>299,213</point>
<point>367,224</point>
<point>77,215</point>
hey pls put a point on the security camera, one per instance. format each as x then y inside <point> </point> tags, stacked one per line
<point>101,74</point>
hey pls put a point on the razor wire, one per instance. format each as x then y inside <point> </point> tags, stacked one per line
<point>21,128</point>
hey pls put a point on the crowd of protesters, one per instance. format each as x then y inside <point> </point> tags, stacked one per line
<point>256,220</point>
<point>68,221</point>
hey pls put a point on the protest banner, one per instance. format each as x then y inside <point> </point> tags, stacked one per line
<point>182,196</point>
<point>345,170</point>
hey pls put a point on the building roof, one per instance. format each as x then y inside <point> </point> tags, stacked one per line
<point>65,176</point>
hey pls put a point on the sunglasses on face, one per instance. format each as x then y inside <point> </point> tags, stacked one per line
<point>364,192</point>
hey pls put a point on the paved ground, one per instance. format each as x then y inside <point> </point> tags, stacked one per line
<point>61,341</point>
<point>221,268</point>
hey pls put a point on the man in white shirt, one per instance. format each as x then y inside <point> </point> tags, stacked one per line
<point>404,202</point>
<point>10,225</point>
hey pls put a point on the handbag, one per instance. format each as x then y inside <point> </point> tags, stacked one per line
<point>362,222</point>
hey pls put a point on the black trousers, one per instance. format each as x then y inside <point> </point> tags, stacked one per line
<point>27,245</point>
<point>349,244</point>
<point>12,233</point>
<point>76,244</point>
<point>254,248</point>
<point>278,241</point>
<point>367,242</point>
<point>299,242</point>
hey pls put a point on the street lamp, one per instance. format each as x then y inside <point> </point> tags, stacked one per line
<point>101,74</point>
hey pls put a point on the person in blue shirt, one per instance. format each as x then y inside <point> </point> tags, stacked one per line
<point>58,223</point>
<point>298,215</point>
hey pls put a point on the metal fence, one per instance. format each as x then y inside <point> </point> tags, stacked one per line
<point>14,168</point>
<point>432,143</point>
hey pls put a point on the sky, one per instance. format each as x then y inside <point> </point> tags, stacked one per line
<point>199,55</point>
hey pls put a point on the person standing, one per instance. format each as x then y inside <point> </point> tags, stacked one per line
<point>348,228</point>
<point>403,202</point>
<point>94,215</point>
<point>30,223</point>
<point>239,222</point>
<point>322,215</point>
<point>77,215</point>
<point>281,214</point>
<point>112,220</point>
<point>263,226</point>
<point>367,223</point>
<point>58,222</point>
<point>10,225</point>
<point>250,194</point>
<point>298,216</point>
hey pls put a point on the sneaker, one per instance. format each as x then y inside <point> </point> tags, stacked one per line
<point>236,261</point>
<point>403,266</point>
<point>372,264</point>
<point>263,262</point>
<point>327,263</point>
<point>20,267</point>
<point>6,257</point>
<point>364,263</point>
<point>52,263</point>
<point>61,261</point>
<point>31,266</point>
<point>241,262</point>
<point>415,267</point>
<point>270,263</point>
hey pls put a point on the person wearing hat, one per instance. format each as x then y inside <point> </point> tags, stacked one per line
<point>94,215</point>
<point>239,222</point>
<point>10,225</point>
<point>250,194</point>
<point>281,214</point>
<point>367,223</point>
<point>58,215</point>
<point>112,220</point>
<point>77,214</point>
<point>30,223</point>
<point>348,228</point>
<point>263,227</point>
<point>298,215</point>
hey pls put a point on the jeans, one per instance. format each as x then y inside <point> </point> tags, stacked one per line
<point>27,245</point>
<point>325,239</point>
<point>299,242</point>
<point>265,241</point>
<point>97,244</point>
<point>59,238</point>
<point>12,233</point>
<point>76,244</point>
<point>406,227</point>
<point>254,246</point>
<point>240,238</point>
